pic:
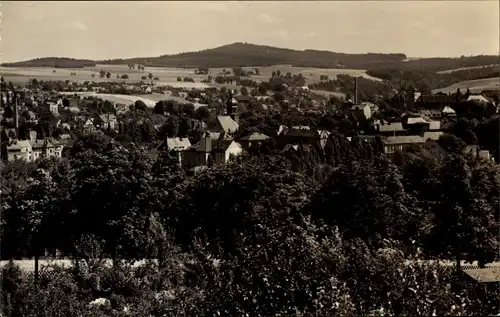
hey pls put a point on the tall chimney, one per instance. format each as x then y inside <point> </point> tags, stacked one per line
<point>401,80</point>
<point>356,90</point>
<point>16,115</point>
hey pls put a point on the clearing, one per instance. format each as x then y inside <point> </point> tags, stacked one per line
<point>448,71</point>
<point>166,76</point>
<point>475,86</point>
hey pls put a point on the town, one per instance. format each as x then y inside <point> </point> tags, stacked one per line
<point>149,170</point>
<point>202,127</point>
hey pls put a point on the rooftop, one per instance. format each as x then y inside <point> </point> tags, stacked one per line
<point>411,139</point>
<point>486,275</point>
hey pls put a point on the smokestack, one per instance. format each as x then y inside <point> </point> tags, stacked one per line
<point>401,80</point>
<point>16,115</point>
<point>356,90</point>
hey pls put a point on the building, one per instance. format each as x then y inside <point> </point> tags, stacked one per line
<point>384,128</point>
<point>208,152</point>
<point>253,139</point>
<point>227,125</point>
<point>33,149</point>
<point>177,146</point>
<point>391,144</point>
<point>106,121</point>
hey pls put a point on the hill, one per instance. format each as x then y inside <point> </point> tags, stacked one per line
<point>53,62</point>
<point>251,55</point>
<point>248,55</point>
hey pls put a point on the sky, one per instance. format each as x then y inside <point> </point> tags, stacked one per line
<point>121,29</point>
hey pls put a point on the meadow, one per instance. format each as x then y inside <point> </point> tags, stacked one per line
<point>166,76</point>
<point>448,71</point>
<point>475,86</point>
<point>149,99</point>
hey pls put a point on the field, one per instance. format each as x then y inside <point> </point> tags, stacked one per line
<point>475,86</point>
<point>166,76</point>
<point>327,94</point>
<point>448,71</point>
<point>149,99</point>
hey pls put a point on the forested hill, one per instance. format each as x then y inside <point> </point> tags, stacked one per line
<point>242,54</point>
<point>53,62</point>
<point>251,55</point>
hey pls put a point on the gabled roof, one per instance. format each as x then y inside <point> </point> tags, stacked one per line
<point>391,127</point>
<point>216,135</point>
<point>448,110</point>
<point>227,124</point>
<point>434,135</point>
<point>204,145</point>
<point>412,139</point>
<point>434,125</point>
<point>222,145</point>
<point>416,121</point>
<point>256,136</point>
<point>478,98</point>
<point>178,143</point>
<point>486,275</point>
<point>18,145</point>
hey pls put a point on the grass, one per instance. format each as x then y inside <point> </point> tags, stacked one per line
<point>448,71</point>
<point>475,86</point>
<point>165,75</point>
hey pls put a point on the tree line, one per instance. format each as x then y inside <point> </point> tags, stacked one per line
<point>323,232</point>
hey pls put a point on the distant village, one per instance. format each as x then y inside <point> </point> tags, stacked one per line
<point>44,119</point>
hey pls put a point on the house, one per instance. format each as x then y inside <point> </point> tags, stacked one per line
<point>431,114</point>
<point>208,152</point>
<point>33,149</point>
<point>46,148</point>
<point>106,121</point>
<point>227,125</point>
<point>393,143</point>
<point>436,101</point>
<point>448,112</point>
<point>432,135</point>
<point>253,139</point>
<point>390,129</point>
<point>224,150</point>
<point>89,125</point>
<point>301,136</point>
<point>53,108</point>
<point>366,109</point>
<point>176,145</point>
<point>478,99</point>
<point>19,150</point>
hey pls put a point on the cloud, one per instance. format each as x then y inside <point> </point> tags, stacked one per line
<point>77,25</point>
<point>266,18</point>
<point>214,6</point>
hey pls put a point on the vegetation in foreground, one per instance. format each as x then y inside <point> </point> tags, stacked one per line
<point>323,234</point>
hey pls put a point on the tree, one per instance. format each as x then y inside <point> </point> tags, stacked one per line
<point>93,75</point>
<point>160,107</point>
<point>102,73</point>
<point>466,227</point>
<point>108,74</point>
<point>140,105</point>
<point>150,76</point>
<point>179,78</point>
<point>367,196</point>
<point>202,112</point>
<point>244,91</point>
<point>124,76</point>
<point>171,128</point>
